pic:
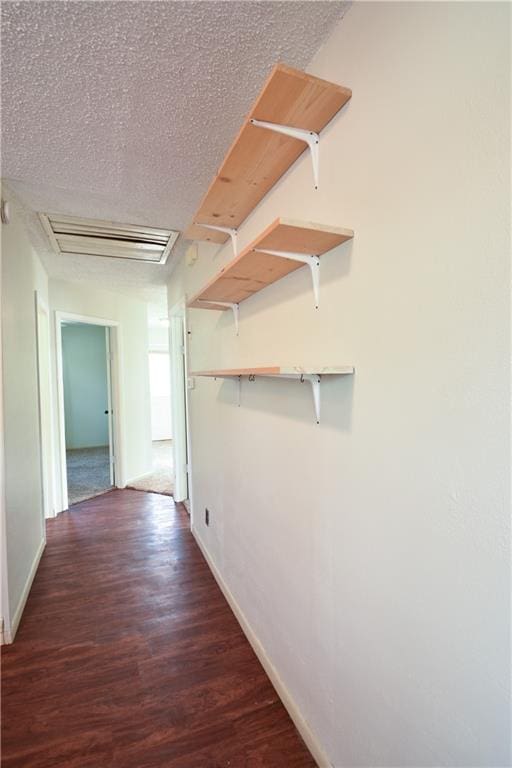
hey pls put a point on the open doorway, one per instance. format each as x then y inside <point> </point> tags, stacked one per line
<point>161,478</point>
<point>161,422</point>
<point>84,354</point>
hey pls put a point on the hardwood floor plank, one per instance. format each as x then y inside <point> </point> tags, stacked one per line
<point>129,656</point>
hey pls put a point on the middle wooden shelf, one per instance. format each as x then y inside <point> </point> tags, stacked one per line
<point>285,246</point>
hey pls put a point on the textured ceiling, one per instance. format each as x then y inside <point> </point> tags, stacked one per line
<point>124,110</point>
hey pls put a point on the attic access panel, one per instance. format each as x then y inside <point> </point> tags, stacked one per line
<point>92,237</point>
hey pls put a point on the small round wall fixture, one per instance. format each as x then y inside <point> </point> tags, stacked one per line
<point>5,212</point>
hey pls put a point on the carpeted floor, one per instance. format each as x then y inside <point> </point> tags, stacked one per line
<point>161,479</point>
<point>88,473</point>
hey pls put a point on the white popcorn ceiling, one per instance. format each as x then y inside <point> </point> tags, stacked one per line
<point>124,110</point>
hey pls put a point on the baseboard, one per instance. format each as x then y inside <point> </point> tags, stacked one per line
<point>24,595</point>
<point>300,723</point>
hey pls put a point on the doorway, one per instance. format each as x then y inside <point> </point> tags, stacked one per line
<point>161,422</point>
<point>87,413</point>
<point>161,478</point>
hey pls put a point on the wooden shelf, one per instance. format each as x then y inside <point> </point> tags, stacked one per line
<point>259,157</point>
<point>276,370</point>
<point>312,376</point>
<point>253,270</point>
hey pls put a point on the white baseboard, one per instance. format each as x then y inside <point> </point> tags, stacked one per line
<point>24,595</point>
<point>300,723</point>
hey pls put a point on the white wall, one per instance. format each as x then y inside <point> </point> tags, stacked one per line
<point>83,299</point>
<point>84,367</point>
<point>370,554</point>
<point>22,275</point>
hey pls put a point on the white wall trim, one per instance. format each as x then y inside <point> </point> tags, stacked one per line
<point>117,400</point>
<point>178,359</point>
<point>42,307</point>
<point>299,721</point>
<point>88,319</point>
<point>5,616</point>
<point>9,636</point>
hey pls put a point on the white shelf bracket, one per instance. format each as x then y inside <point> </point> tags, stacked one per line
<point>313,263</point>
<point>238,387</point>
<point>227,230</point>
<point>311,138</point>
<point>314,380</point>
<point>234,307</point>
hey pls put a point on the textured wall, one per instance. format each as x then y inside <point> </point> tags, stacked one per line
<point>371,554</point>
<point>22,275</point>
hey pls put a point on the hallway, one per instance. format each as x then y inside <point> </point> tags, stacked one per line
<point>129,656</point>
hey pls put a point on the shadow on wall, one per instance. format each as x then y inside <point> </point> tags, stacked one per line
<point>334,266</point>
<point>292,399</point>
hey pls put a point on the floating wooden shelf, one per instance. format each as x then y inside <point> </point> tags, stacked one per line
<point>255,268</point>
<point>312,375</point>
<point>276,370</point>
<point>259,157</point>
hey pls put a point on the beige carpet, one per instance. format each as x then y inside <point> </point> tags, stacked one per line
<point>161,479</point>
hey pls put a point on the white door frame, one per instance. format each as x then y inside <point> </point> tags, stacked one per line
<point>178,355</point>
<point>5,615</point>
<point>115,366</point>
<point>47,462</point>
<point>110,416</point>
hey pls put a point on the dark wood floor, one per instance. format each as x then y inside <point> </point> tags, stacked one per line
<point>129,656</point>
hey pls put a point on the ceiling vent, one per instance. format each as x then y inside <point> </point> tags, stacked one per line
<point>90,237</point>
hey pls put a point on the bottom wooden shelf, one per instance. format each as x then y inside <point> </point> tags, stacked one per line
<point>313,375</point>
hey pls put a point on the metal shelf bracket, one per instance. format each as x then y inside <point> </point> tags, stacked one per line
<point>228,231</point>
<point>313,263</point>
<point>234,307</point>
<point>314,380</point>
<point>238,387</point>
<point>311,138</point>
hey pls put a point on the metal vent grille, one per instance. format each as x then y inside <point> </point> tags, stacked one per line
<point>91,237</point>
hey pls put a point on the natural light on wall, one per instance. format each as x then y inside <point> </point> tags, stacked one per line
<point>160,388</point>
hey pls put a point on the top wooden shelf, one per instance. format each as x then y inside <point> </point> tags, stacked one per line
<point>258,157</point>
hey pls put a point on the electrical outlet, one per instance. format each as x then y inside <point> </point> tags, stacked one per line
<point>207,516</point>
